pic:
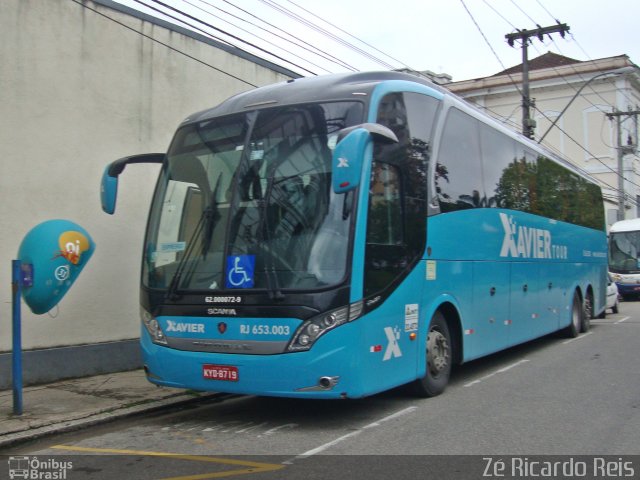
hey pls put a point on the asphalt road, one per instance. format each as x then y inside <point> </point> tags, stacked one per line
<point>554,396</point>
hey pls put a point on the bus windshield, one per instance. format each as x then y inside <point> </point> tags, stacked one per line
<point>245,201</point>
<point>624,248</point>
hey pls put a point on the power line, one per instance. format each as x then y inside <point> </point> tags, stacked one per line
<point>322,31</point>
<point>490,46</point>
<point>82,4</point>
<point>159,2</point>
<point>179,20</point>
<point>352,36</point>
<point>617,173</point>
<point>542,113</point>
<point>573,38</point>
<point>303,44</point>
<point>497,12</point>
<point>525,13</point>
<point>548,12</point>
<point>254,35</point>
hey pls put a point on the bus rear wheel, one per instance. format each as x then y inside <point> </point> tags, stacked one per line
<point>587,313</point>
<point>439,359</point>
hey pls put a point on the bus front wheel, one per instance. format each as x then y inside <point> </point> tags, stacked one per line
<point>439,359</point>
<point>577,312</point>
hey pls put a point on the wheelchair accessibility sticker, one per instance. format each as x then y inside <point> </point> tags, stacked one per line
<point>240,270</point>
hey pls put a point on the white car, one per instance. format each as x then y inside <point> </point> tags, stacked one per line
<point>612,296</point>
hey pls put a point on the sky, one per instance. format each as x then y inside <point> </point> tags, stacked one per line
<point>462,38</point>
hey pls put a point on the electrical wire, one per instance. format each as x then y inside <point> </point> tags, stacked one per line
<point>254,35</point>
<point>235,37</point>
<point>349,34</point>
<point>490,46</point>
<point>84,5</point>
<point>525,13</point>
<point>573,38</point>
<point>621,174</point>
<point>322,31</point>
<point>302,44</point>
<point>273,4</point>
<point>179,20</point>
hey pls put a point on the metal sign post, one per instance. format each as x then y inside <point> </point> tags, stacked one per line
<point>16,356</point>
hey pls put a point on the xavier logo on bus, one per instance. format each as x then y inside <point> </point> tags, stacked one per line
<point>528,242</point>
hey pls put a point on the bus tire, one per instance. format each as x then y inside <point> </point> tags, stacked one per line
<point>439,359</point>
<point>577,312</point>
<point>587,313</point>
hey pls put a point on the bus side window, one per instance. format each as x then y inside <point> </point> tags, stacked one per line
<point>458,173</point>
<point>498,152</point>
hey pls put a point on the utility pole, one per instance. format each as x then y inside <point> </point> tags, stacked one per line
<point>622,151</point>
<point>528,124</point>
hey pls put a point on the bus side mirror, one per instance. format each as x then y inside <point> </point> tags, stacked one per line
<point>109,183</point>
<point>108,192</point>
<point>349,153</point>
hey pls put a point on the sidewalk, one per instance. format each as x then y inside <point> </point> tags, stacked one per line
<point>74,404</point>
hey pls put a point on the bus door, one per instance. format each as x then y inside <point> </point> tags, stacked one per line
<point>394,276</point>
<point>391,286</point>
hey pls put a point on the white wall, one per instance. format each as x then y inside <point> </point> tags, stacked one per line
<point>78,90</point>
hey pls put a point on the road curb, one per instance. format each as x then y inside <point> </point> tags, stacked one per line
<point>103,417</point>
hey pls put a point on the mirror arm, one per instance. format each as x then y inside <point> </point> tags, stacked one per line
<point>117,166</point>
<point>377,131</point>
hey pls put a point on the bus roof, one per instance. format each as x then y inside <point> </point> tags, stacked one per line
<point>340,86</point>
<point>631,225</point>
<point>349,86</point>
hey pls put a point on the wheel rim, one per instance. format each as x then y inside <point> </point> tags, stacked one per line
<point>437,353</point>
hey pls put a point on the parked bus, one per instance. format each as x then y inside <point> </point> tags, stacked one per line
<point>338,236</point>
<point>624,256</point>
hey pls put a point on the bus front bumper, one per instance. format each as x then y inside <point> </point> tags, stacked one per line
<point>323,372</point>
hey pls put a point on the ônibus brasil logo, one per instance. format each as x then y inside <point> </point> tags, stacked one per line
<point>528,242</point>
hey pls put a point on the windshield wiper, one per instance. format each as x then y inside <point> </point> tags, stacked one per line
<point>270,271</point>
<point>177,276</point>
<point>209,216</point>
<point>212,215</point>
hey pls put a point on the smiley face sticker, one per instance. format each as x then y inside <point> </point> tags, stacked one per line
<point>72,244</point>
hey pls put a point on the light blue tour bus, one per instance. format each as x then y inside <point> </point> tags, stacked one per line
<point>338,236</point>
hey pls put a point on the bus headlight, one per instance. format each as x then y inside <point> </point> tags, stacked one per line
<point>616,278</point>
<point>306,335</point>
<point>153,327</point>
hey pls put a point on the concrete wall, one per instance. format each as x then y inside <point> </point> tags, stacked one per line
<point>78,90</point>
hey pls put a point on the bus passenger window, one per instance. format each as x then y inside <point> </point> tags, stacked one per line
<point>458,173</point>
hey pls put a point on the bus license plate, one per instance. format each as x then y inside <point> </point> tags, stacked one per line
<point>220,372</point>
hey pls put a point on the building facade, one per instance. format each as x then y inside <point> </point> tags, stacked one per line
<point>83,83</point>
<point>577,109</point>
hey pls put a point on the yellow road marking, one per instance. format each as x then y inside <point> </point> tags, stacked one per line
<point>252,467</point>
